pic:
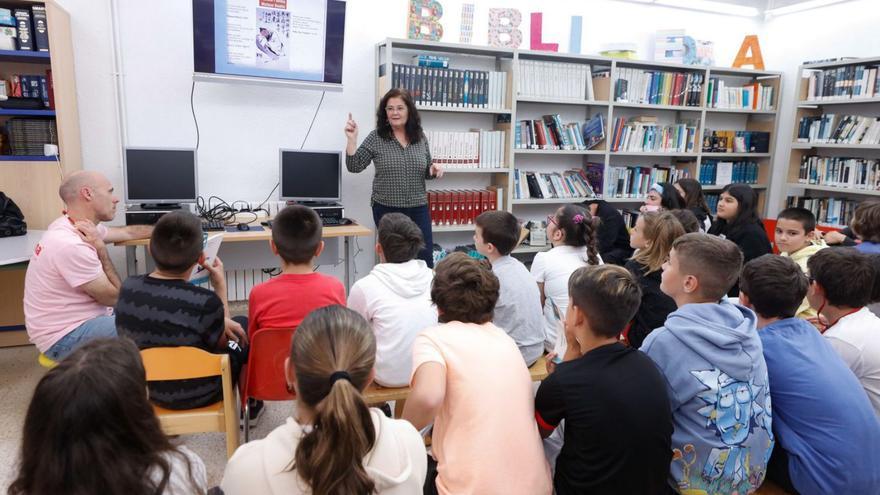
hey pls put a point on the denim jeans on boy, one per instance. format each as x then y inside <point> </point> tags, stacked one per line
<point>96,328</point>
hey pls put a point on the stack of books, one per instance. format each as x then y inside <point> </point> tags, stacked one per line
<point>713,172</point>
<point>553,185</point>
<point>557,80</point>
<point>635,182</point>
<point>725,141</point>
<point>843,83</point>
<point>451,88</point>
<point>461,207</point>
<point>656,87</point>
<point>833,212</point>
<point>854,173</point>
<point>474,149</point>
<point>845,129</point>
<point>644,134</point>
<point>27,136</point>
<point>753,96</point>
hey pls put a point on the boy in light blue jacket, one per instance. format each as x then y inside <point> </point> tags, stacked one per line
<point>712,358</point>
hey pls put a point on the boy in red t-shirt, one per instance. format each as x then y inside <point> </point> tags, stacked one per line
<point>285,300</point>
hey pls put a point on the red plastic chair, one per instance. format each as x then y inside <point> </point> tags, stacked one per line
<point>262,378</point>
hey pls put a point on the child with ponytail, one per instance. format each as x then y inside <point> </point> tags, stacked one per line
<point>572,231</point>
<point>334,444</point>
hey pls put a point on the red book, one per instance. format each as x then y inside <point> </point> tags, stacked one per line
<point>454,205</point>
<point>540,135</point>
<point>432,207</point>
<point>472,206</point>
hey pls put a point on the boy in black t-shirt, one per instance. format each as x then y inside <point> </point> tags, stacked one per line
<point>613,399</point>
<point>163,309</point>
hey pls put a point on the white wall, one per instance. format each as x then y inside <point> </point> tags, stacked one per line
<point>242,127</point>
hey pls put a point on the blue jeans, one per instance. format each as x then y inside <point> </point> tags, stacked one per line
<point>96,328</point>
<point>418,214</point>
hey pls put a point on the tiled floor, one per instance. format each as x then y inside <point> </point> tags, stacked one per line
<point>19,374</point>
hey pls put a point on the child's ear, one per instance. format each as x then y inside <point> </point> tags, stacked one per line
<point>491,247</point>
<point>319,250</point>
<point>811,235</point>
<point>691,284</point>
<point>274,247</point>
<point>744,300</point>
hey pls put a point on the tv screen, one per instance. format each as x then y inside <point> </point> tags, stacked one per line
<point>310,175</point>
<point>160,175</point>
<point>273,40</point>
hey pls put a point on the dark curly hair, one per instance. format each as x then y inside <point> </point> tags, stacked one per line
<point>413,126</point>
<point>464,289</point>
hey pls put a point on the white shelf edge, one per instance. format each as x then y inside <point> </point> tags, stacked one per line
<point>551,201</point>
<point>842,190</point>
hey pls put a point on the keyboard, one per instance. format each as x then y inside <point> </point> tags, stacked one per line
<point>213,225</point>
<point>330,222</point>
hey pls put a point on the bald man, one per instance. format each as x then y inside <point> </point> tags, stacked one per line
<point>71,285</point>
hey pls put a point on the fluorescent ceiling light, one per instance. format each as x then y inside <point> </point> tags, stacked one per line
<point>710,6</point>
<point>799,7</point>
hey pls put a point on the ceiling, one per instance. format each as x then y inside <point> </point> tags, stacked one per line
<point>745,8</point>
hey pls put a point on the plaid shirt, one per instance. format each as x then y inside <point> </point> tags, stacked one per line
<point>400,172</point>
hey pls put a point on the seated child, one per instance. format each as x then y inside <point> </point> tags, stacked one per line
<point>90,429</point>
<point>843,282</point>
<point>572,232</point>
<point>333,442</point>
<point>652,236</point>
<point>395,298</point>
<point>285,300</point>
<point>612,238</point>
<point>866,226</point>
<point>806,375</point>
<point>695,202</point>
<point>795,237</point>
<point>163,309</point>
<point>518,310</point>
<point>612,397</point>
<point>710,354</point>
<point>688,220</point>
<point>469,379</point>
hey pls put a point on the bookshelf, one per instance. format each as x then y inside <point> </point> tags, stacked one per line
<point>520,103</point>
<point>824,175</point>
<point>32,181</point>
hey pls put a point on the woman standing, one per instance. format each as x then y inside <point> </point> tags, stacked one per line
<point>399,150</point>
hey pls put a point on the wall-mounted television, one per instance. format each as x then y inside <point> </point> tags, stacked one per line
<point>296,42</point>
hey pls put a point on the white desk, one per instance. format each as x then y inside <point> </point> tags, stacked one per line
<point>14,255</point>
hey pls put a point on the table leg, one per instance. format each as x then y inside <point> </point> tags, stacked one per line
<point>347,264</point>
<point>131,260</point>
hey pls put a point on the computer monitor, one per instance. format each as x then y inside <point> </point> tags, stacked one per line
<point>309,175</point>
<point>160,177</point>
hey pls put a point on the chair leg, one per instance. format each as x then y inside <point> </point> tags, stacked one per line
<point>398,408</point>
<point>246,421</point>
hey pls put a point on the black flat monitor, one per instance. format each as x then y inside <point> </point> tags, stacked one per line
<point>160,177</point>
<point>310,176</point>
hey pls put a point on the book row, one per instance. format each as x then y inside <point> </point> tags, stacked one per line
<point>554,185</point>
<point>549,132</point>
<point>635,182</point>
<point>754,96</point>
<point>712,203</point>
<point>644,134</point>
<point>727,141</point>
<point>828,211</point>
<point>854,173</point>
<point>461,207</point>
<point>713,172</point>
<point>843,83</point>
<point>30,86</point>
<point>470,149</point>
<point>540,79</point>
<point>833,128</point>
<point>24,29</point>
<point>658,87</point>
<point>456,88</point>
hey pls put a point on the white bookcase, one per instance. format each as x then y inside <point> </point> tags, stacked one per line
<point>804,106</point>
<point>516,108</point>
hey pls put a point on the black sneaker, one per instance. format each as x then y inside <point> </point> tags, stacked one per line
<point>255,410</point>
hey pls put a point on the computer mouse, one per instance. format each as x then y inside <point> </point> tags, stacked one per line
<point>243,227</point>
<point>345,221</point>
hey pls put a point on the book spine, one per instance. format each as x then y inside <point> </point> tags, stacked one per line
<point>24,40</point>
<point>41,30</point>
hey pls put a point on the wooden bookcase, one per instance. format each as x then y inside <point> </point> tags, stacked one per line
<point>32,181</point>
<point>400,51</point>
<point>804,107</point>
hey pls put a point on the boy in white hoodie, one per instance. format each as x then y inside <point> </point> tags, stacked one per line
<point>395,298</point>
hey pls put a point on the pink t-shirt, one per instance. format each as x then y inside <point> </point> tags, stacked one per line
<point>485,438</point>
<point>54,304</point>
